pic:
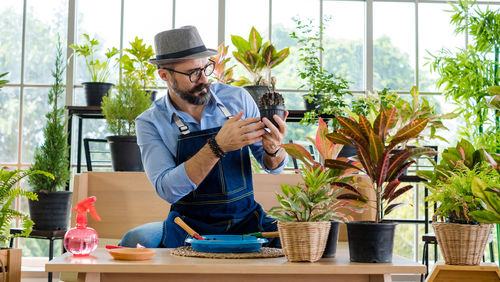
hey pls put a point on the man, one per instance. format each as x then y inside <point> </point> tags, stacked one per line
<point>195,145</point>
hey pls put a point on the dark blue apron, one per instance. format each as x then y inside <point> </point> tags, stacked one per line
<point>223,203</point>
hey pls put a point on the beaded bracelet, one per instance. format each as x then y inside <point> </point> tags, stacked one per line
<point>215,147</point>
<point>273,154</point>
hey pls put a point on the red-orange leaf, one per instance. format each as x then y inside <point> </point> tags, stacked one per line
<point>338,138</point>
<point>399,192</point>
<point>411,130</point>
<point>353,129</point>
<point>340,164</point>
<point>298,152</point>
<point>346,186</point>
<point>389,189</point>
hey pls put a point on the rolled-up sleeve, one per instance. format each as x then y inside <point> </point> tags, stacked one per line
<point>171,182</point>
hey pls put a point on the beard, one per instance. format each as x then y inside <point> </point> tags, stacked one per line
<point>189,95</point>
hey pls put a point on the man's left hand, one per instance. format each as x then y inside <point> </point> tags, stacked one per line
<point>272,139</point>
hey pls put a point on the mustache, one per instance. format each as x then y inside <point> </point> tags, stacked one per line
<point>201,86</point>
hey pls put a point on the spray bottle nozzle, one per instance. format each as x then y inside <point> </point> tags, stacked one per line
<point>82,208</point>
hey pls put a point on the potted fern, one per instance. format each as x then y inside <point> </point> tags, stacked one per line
<point>311,211</point>
<point>9,191</point>
<point>464,185</point>
<point>258,59</point>
<point>120,111</point>
<point>99,71</point>
<point>53,208</point>
<point>373,241</point>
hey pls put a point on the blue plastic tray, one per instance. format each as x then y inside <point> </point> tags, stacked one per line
<point>227,244</point>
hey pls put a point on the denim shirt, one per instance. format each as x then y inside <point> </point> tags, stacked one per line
<point>157,136</point>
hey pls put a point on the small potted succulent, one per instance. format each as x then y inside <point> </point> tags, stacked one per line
<point>272,103</point>
<point>310,211</point>
<point>99,71</point>
<point>464,185</point>
<point>373,241</point>
<point>258,59</point>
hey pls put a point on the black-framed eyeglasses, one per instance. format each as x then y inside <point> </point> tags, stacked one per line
<point>195,75</point>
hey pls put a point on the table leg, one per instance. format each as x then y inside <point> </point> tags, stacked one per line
<point>88,277</point>
<point>79,147</point>
<point>51,256</point>
<point>380,278</point>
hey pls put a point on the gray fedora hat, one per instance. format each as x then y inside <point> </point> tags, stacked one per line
<point>179,44</point>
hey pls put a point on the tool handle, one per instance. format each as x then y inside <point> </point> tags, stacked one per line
<point>184,226</point>
<point>270,234</point>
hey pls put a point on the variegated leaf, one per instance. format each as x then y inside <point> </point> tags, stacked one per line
<point>340,164</point>
<point>353,129</point>
<point>411,130</point>
<point>346,186</point>
<point>389,189</point>
<point>338,138</point>
<point>298,152</point>
<point>399,192</point>
<point>391,207</point>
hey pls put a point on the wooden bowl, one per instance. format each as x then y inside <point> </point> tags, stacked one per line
<point>132,254</point>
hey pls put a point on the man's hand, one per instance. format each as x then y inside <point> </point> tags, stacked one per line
<point>236,133</point>
<point>272,140</point>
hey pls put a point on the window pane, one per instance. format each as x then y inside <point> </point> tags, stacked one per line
<point>240,17</point>
<point>394,45</point>
<point>35,101</point>
<point>201,13</point>
<point>343,41</point>
<point>404,240</point>
<point>145,18</point>
<point>9,124</point>
<point>433,36</point>
<point>92,14</point>
<point>283,13</point>
<point>45,20</point>
<point>11,25</point>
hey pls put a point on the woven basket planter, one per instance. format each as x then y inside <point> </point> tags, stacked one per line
<point>462,244</point>
<point>303,241</point>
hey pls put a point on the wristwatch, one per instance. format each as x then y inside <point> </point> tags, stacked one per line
<point>275,153</point>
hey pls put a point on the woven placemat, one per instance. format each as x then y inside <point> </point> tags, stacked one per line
<point>187,251</point>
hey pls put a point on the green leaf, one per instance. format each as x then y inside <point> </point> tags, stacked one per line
<point>338,138</point>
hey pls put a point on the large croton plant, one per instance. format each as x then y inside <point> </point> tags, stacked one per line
<point>316,199</point>
<point>375,152</point>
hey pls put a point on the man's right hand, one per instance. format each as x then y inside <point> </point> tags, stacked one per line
<point>236,133</point>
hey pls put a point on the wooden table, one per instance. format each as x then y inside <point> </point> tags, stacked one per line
<point>485,272</point>
<point>100,266</point>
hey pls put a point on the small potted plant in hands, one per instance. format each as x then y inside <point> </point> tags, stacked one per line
<point>99,71</point>
<point>464,186</point>
<point>374,241</point>
<point>307,209</point>
<point>272,103</point>
<point>135,64</point>
<point>258,59</point>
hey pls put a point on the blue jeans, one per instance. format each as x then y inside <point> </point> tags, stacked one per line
<point>149,235</point>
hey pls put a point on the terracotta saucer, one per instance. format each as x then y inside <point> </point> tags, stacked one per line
<point>132,254</point>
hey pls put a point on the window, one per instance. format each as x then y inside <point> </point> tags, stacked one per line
<point>399,53</point>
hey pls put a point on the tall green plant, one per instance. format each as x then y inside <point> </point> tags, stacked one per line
<point>467,74</point>
<point>121,109</point>
<point>374,149</point>
<point>52,156</point>
<point>327,90</point>
<point>135,63</point>
<point>99,71</point>
<point>8,193</point>
<point>256,57</point>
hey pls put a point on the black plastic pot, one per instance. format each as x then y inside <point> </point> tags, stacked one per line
<point>256,91</point>
<point>347,152</point>
<point>125,153</point>
<point>152,94</point>
<point>52,211</point>
<point>94,91</point>
<point>331,243</point>
<point>312,106</point>
<point>270,111</point>
<point>370,242</point>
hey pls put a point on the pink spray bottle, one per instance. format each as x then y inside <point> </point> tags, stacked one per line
<point>82,240</point>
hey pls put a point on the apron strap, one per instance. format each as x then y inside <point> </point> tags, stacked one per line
<point>184,128</point>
